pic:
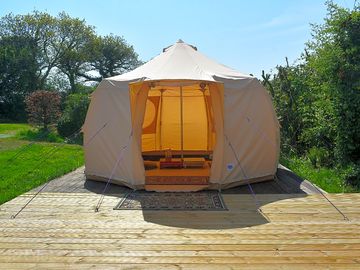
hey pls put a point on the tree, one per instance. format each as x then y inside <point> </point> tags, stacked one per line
<point>40,51</point>
<point>27,59</point>
<point>74,41</point>
<point>335,60</point>
<point>38,27</point>
<point>43,108</point>
<point>288,89</point>
<point>18,70</point>
<point>318,97</point>
<point>110,56</point>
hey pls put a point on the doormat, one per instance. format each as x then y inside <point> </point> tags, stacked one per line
<point>172,201</point>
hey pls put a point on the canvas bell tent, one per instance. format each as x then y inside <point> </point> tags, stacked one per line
<point>181,119</point>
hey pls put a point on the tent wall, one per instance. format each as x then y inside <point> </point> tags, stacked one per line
<point>251,133</point>
<point>118,141</point>
<point>243,119</point>
<point>217,100</point>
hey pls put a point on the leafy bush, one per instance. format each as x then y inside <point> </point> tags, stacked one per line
<point>318,157</point>
<point>43,107</point>
<point>40,135</point>
<point>74,115</point>
<point>352,176</point>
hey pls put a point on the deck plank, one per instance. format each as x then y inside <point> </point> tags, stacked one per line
<point>61,230</point>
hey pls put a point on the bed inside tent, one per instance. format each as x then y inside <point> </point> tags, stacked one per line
<point>178,135</point>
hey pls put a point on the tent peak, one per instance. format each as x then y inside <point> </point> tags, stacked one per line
<point>182,61</point>
<point>179,42</point>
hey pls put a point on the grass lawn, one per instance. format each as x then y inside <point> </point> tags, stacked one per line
<point>13,128</point>
<point>25,166</point>
<point>330,180</point>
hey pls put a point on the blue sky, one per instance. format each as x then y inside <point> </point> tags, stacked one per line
<point>249,36</point>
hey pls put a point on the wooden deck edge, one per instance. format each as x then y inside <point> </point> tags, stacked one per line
<point>307,186</point>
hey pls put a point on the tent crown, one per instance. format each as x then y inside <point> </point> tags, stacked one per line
<point>181,61</point>
<point>179,41</point>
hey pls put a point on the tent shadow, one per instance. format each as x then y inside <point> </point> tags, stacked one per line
<point>209,220</point>
<point>242,211</point>
<point>112,190</point>
<point>242,208</point>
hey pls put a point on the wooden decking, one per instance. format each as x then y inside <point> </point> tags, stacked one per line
<point>60,230</point>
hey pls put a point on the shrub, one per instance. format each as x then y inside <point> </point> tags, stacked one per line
<point>318,157</point>
<point>352,176</point>
<point>73,117</point>
<point>43,108</point>
<point>39,135</point>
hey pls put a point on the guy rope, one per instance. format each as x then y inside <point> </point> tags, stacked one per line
<point>50,154</point>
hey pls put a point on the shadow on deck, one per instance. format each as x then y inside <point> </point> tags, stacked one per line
<point>287,185</point>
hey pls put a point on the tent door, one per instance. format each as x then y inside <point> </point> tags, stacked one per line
<point>178,135</point>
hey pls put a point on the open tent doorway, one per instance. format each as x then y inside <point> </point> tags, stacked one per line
<point>178,134</point>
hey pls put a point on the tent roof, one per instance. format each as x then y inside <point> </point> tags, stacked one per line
<point>181,61</point>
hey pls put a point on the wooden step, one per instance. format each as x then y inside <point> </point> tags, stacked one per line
<point>188,176</point>
<point>176,180</point>
<point>175,188</point>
